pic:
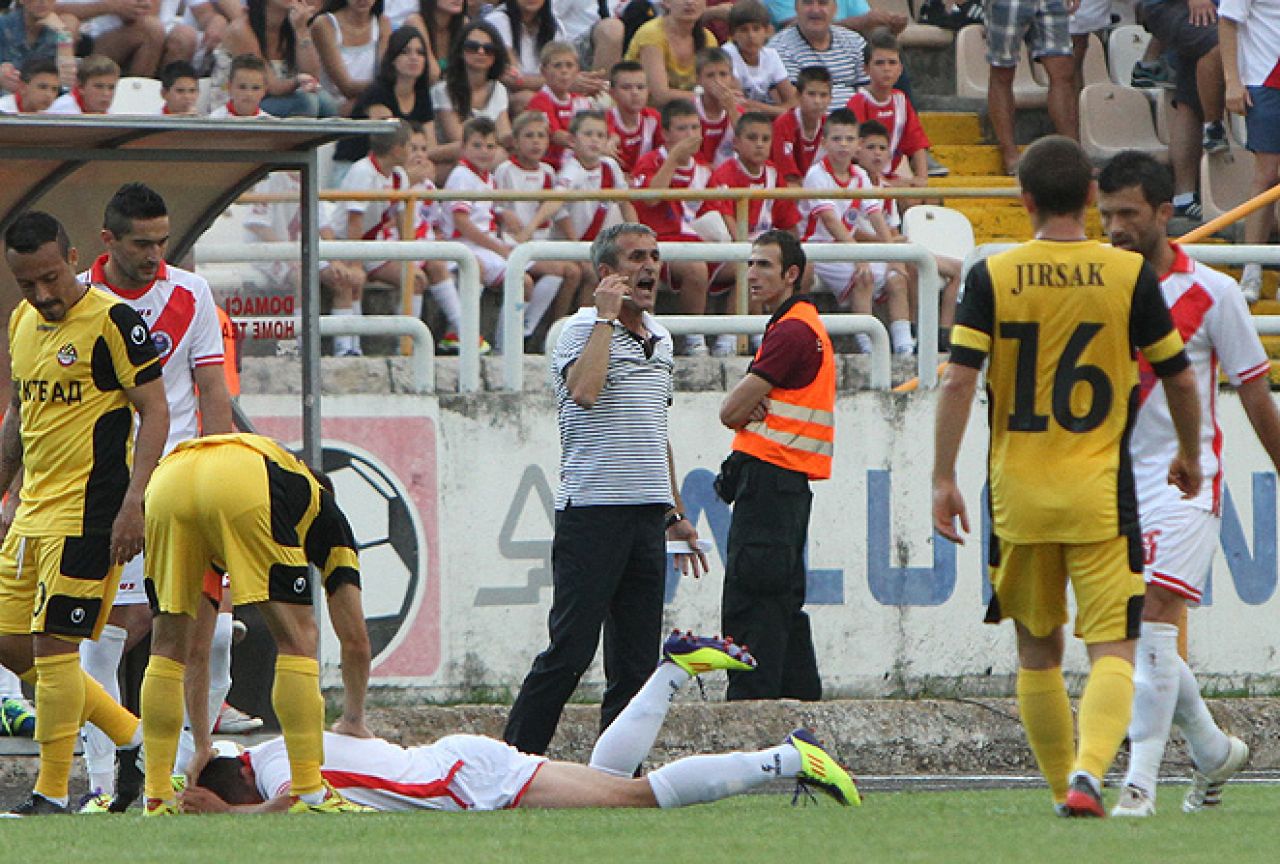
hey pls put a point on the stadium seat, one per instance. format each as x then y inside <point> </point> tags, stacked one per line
<point>1162,100</point>
<point>1095,65</point>
<point>1115,118</point>
<point>1124,48</point>
<point>1226,181</point>
<point>972,71</point>
<point>940,229</point>
<point>137,96</point>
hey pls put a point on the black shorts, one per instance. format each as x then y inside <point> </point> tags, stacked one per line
<point>1184,42</point>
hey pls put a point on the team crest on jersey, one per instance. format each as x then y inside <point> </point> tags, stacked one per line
<point>162,341</point>
<point>67,354</point>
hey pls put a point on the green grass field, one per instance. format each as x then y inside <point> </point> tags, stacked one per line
<point>987,826</point>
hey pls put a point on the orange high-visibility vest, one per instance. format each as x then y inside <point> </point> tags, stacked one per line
<point>799,431</point>
<point>230,362</point>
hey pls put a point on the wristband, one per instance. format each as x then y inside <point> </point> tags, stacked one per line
<point>609,321</point>
<point>673,518</point>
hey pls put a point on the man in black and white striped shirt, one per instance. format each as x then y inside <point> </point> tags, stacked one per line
<point>618,501</point>
<point>814,40</point>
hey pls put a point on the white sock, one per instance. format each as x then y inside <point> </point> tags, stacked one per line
<point>415,305</point>
<point>446,296</point>
<point>10,685</point>
<point>700,779</point>
<point>1251,271</point>
<point>1209,744</point>
<point>101,659</point>
<point>544,294</point>
<point>900,336</point>
<point>694,339</point>
<point>622,747</point>
<point>343,344</point>
<point>219,665</point>
<point>864,342</point>
<point>727,343</point>
<point>1155,695</point>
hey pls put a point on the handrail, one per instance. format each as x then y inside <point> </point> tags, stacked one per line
<point>383,250</point>
<point>556,250</point>
<point>1235,214</point>
<point>841,324</point>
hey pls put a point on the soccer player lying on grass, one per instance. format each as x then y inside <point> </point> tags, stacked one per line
<point>471,772</point>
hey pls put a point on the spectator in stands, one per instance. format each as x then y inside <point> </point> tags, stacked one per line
<point>351,38</point>
<point>246,89</point>
<point>676,166</point>
<point>401,90</point>
<point>853,14</point>
<point>598,40</point>
<point>208,20</point>
<point>1250,34</point>
<point>797,134</point>
<point>37,87</point>
<point>766,87</point>
<point>1043,25</point>
<point>667,48</point>
<point>276,31</point>
<point>180,89</point>
<point>399,12</point>
<point>719,104</point>
<point>881,100</point>
<point>751,168</point>
<point>634,127</point>
<point>472,87</point>
<point>526,28</point>
<point>814,40</point>
<point>442,22</point>
<point>1091,16</point>
<point>589,168</point>
<point>131,33</point>
<point>1190,33</point>
<point>556,99</point>
<point>34,29</point>
<point>96,81</point>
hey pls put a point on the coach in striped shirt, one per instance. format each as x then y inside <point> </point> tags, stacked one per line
<point>617,501</point>
<point>815,41</point>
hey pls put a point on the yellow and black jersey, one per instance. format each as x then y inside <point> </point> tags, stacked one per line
<point>70,378</point>
<point>1061,323</point>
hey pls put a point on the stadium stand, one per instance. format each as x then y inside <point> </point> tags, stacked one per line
<point>1115,118</point>
<point>136,95</point>
<point>972,70</point>
<point>1225,181</point>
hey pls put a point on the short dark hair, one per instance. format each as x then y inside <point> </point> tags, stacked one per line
<point>745,12</point>
<point>247,63</point>
<point>1056,173</point>
<point>711,57</point>
<point>381,145</point>
<point>811,75</point>
<point>624,66</point>
<point>96,66</point>
<point>583,116</point>
<point>221,776</point>
<point>1133,168</point>
<point>173,72</point>
<point>676,108</point>
<point>792,252</point>
<point>32,230</point>
<point>37,64</point>
<point>745,120</point>
<point>132,201</point>
<point>479,125</point>
<point>873,127</point>
<point>841,117</point>
<point>880,39</point>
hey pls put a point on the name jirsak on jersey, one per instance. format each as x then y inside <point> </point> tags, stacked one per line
<point>1062,275</point>
<point>40,390</point>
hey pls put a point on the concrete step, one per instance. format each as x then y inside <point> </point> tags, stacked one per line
<point>970,159</point>
<point>952,127</point>
<point>997,221</point>
<point>974,181</point>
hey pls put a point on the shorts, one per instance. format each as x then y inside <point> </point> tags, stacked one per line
<point>1262,123</point>
<point>132,590</point>
<point>215,505</point>
<point>838,278</point>
<point>56,586</point>
<point>1042,24</point>
<point>493,776</point>
<point>1178,544</point>
<point>1185,42</point>
<point>1092,16</point>
<point>493,267</point>
<point>1029,583</point>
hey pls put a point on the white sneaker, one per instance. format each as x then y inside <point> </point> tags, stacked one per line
<point>233,721</point>
<point>725,346</point>
<point>695,346</point>
<point>1134,803</point>
<point>1206,788</point>
<point>1251,284</point>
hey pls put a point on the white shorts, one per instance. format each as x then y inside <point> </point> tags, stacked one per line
<point>1178,544</point>
<point>837,277</point>
<point>494,775</point>
<point>132,591</point>
<point>493,267</point>
<point>1092,16</point>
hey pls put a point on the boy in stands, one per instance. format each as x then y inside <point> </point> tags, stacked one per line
<point>634,128</point>
<point>882,101</point>
<point>797,134</point>
<point>677,168</point>
<point>96,81</point>
<point>559,67</point>
<point>180,88</point>
<point>522,221</point>
<point>38,90</point>
<point>766,88</point>
<point>246,87</point>
<point>719,103</point>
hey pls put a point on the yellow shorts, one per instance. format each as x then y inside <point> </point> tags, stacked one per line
<point>214,506</point>
<point>56,586</point>
<point>1030,586</point>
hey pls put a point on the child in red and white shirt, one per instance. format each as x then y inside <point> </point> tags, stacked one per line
<point>797,134</point>
<point>634,128</point>
<point>719,103</point>
<point>883,102</point>
<point>96,81</point>
<point>246,87</point>
<point>180,89</point>
<point>555,99</point>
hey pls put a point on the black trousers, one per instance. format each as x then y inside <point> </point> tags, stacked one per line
<point>609,569</point>
<point>764,584</point>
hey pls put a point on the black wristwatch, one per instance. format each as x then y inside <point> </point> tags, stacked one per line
<point>673,518</point>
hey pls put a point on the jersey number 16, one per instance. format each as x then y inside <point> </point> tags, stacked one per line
<point>1067,374</point>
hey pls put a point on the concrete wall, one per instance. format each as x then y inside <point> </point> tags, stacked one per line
<point>452,496</point>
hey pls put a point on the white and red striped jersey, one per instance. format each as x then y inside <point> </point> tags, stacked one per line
<point>559,114</point>
<point>589,217</point>
<point>380,220</point>
<point>717,135</point>
<point>763,214</point>
<point>822,176</point>
<point>635,141</point>
<point>669,218</point>
<point>512,175</point>
<point>1214,322</point>
<point>427,219</point>
<point>465,176</point>
<point>179,310</point>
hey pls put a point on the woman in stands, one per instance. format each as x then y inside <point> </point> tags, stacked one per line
<point>472,87</point>
<point>270,29</point>
<point>351,38</point>
<point>442,22</point>
<point>401,91</point>
<point>667,46</point>
<point>525,27</point>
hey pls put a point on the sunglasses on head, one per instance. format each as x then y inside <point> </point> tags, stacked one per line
<point>473,47</point>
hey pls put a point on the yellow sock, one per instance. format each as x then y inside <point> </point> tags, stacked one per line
<point>60,697</point>
<point>1105,709</point>
<point>300,709</point>
<point>116,721</point>
<point>162,710</point>
<point>1046,718</point>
